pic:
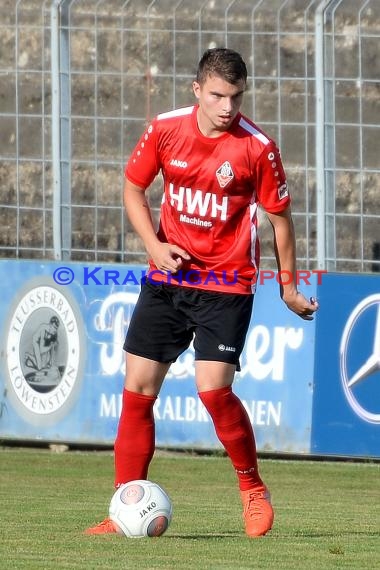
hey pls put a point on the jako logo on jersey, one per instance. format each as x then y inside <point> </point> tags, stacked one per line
<point>179,163</point>
<point>223,347</point>
<point>224,174</point>
<point>197,202</point>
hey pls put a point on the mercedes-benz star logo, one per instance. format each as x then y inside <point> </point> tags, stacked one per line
<point>370,366</point>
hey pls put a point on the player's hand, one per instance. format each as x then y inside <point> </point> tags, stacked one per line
<point>297,303</point>
<point>168,257</point>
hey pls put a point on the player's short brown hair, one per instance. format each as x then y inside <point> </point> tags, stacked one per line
<point>224,62</point>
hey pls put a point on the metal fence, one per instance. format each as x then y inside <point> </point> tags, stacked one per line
<point>80,79</point>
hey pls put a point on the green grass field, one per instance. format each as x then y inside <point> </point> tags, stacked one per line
<point>327,514</point>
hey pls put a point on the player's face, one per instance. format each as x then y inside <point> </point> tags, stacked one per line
<point>219,103</point>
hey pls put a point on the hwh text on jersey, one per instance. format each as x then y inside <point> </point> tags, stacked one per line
<point>197,202</point>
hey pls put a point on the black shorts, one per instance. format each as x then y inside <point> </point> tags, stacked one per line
<point>167,318</point>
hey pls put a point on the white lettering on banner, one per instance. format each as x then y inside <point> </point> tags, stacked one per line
<point>263,359</point>
<point>263,413</point>
<point>43,296</point>
<point>186,409</point>
<point>198,202</point>
<point>184,366</point>
<point>111,407</point>
<point>190,409</point>
<point>113,318</point>
<point>259,343</point>
<point>43,404</point>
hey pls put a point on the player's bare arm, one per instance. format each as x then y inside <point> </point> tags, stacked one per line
<point>167,257</point>
<point>285,250</point>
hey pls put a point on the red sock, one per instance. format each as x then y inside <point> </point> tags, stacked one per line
<point>135,440</point>
<point>235,432</point>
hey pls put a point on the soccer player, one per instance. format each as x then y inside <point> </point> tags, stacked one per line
<point>217,168</point>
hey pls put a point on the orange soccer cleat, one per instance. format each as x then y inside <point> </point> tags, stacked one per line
<point>105,527</point>
<point>257,511</point>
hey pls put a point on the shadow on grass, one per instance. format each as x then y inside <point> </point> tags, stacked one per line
<point>209,535</point>
<point>326,534</point>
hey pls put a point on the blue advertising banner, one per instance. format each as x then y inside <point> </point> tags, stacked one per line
<point>346,406</point>
<point>62,363</point>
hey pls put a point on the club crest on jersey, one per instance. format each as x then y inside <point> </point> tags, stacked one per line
<point>283,191</point>
<point>224,174</point>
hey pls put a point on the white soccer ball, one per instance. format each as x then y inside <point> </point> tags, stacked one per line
<point>141,508</point>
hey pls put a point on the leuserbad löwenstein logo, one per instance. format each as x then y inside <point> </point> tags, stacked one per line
<point>44,352</point>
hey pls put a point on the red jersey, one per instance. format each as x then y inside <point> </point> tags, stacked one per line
<point>212,189</point>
